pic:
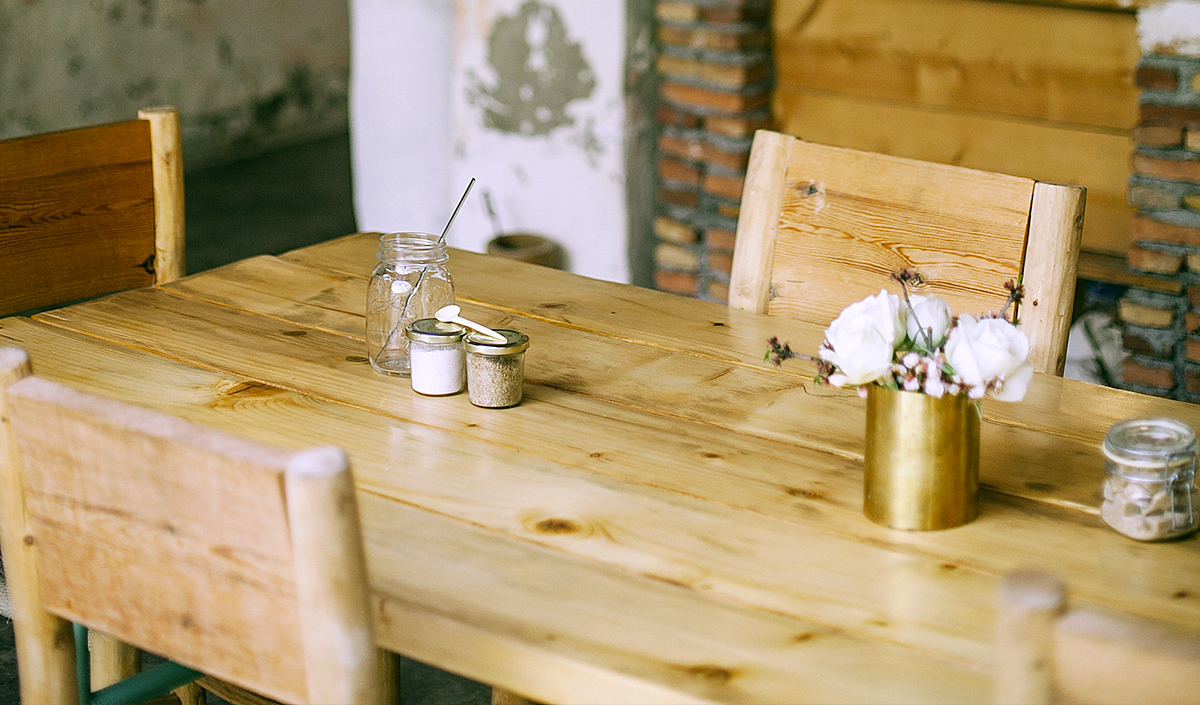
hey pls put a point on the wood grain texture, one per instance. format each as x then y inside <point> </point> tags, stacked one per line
<point>849,219</point>
<point>112,661</point>
<point>733,407</point>
<point>700,665</point>
<point>46,667</point>
<point>1050,265</point>
<point>167,536</point>
<point>1063,65</point>
<point>1030,605</point>
<point>76,214</point>
<point>758,221</point>
<point>1097,160</point>
<point>167,165</point>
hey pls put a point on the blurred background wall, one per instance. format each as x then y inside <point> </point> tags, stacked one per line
<point>246,76</point>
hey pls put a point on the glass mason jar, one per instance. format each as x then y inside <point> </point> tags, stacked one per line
<point>495,371</point>
<point>411,281</point>
<point>1150,490</point>
<point>436,353</point>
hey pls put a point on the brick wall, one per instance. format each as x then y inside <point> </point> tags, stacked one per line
<point>1162,326</point>
<point>715,71</point>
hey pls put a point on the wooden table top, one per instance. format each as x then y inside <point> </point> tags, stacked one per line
<point>665,518</point>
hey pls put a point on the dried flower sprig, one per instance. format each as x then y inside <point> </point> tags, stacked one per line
<point>904,277</point>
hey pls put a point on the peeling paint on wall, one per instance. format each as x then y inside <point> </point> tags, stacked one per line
<point>244,75</point>
<point>538,70</point>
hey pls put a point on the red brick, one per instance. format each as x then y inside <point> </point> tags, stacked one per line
<point>1173,169</point>
<point>713,154</point>
<point>667,115</point>
<point>713,37</point>
<point>1157,78</point>
<point>1135,372</point>
<point>1193,350</point>
<point>720,262</point>
<point>675,257</point>
<point>675,36</point>
<point>683,172</point>
<point>1192,379</point>
<point>728,210</point>
<point>681,147</point>
<point>1193,294</point>
<point>677,11</point>
<point>676,282</point>
<point>1158,135</point>
<point>720,239</point>
<point>727,186</point>
<point>736,126</point>
<point>728,101</point>
<point>1144,228</point>
<point>674,231</point>
<point>1136,343</point>
<point>679,197</point>
<point>1152,198</point>
<point>753,13</point>
<point>1153,261</point>
<point>1155,114</point>
<point>1192,321</point>
<point>718,291</point>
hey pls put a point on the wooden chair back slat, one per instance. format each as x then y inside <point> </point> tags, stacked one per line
<point>90,211</point>
<point>1048,652</point>
<point>234,558</point>
<point>822,227</point>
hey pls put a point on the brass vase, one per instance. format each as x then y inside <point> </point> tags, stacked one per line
<point>922,460</point>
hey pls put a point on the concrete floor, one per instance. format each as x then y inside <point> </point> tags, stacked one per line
<point>269,204</point>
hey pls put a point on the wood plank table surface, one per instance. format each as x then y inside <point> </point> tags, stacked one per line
<point>665,518</point>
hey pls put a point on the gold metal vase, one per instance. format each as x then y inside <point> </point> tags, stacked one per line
<point>922,460</point>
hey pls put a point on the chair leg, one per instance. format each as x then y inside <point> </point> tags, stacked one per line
<point>504,697</point>
<point>190,694</point>
<point>112,661</point>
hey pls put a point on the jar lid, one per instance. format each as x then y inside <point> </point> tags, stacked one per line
<point>1150,443</point>
<point>481,344</point>
<point>431,330</point>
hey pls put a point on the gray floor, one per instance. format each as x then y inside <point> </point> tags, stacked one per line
<point>266,205</point>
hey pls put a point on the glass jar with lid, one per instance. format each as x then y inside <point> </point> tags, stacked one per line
<point>1150,489</point>
<point>436,353</point>
<point>410,282</point>
<point>495,370</point>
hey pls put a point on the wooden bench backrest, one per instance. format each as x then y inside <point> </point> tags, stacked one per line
<point>90,211</point>
<point>822,227</point>
<point>234,558</point>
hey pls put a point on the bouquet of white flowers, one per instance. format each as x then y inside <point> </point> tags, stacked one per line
<point>917,345</point>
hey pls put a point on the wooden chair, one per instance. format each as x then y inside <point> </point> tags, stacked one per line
<point>91,211</point>
<point>822,227</point>
<point>237,559</point>
<point>88,212</point>
<point>1047,653</point>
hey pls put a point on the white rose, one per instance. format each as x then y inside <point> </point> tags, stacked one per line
<point>989,350</point>
<point>931,312</point>
<point>862,340</point>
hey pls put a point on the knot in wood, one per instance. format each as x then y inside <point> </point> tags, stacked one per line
<point>556,526</point>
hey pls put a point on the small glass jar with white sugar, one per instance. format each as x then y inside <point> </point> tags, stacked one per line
<point>1150,491</point>
<point>437,357</point>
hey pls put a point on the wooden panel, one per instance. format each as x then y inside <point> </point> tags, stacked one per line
<point>850,219</point>
<point>1096,160</point>
<point>76,215</point>
<point>165,535</point>
<point>1069,65</point>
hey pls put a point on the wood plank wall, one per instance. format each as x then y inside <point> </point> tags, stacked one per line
<point>1042,90</point>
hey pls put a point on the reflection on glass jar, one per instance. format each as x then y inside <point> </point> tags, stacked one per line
<point>1150,491</point>
<point>410,282</point>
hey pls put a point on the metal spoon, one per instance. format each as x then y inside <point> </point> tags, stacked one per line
<point>449,314</point>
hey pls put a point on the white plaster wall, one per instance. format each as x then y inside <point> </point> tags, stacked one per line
<point>418,136</point>
<point>1171,27</point>
<point>241,73</point>
<point>400,113</point>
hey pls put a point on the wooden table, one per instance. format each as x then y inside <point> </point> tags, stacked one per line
<point>665,518</point>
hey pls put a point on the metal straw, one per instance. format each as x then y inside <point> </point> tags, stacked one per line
<point>421,276</point>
